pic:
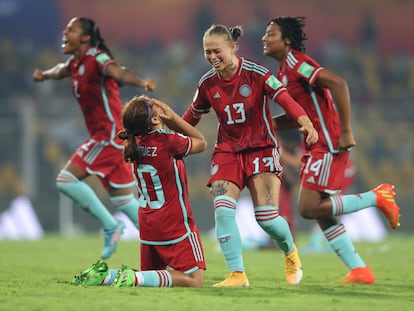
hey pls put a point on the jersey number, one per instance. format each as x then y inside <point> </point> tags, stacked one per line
<point>268,162</point>
<point>235,113</point>
<point>148,176</point>
<point>315,167</point>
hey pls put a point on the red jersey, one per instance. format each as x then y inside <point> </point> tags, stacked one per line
<point>98,96</point>
<point>241,105</point>
<point>165,214</point>
<point>299,73</point>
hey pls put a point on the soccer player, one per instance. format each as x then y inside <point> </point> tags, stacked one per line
<point>325,98</point>
<point>95,77</point>
<point>246,151</point>
<point>171,249</point>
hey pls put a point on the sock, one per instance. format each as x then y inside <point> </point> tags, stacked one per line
<point>345,204</point>
<point>157,278</point>
<point>128,205</point>
<point>85,197</point>
<point>227,232</point>
<point>317,238</point>
<point>276,226</point>
<point>343,247</point>
<point>110,277</point>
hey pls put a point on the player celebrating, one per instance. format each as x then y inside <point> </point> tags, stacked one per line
<point>95,77</point>
<point>246,152</point>
<point>325,98</point>
<point>171,249</point>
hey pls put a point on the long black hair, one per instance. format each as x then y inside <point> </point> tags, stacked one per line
<point>292,29</point>
<point>90,28</point>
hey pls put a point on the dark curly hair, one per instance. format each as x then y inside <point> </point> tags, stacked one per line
<point>292,29</point>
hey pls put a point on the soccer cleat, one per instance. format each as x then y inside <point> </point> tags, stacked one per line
<point>125,278</point>
<point>293,267</point>
<point>92,276</point>
<point>359,276</point>
<point>112,238</point>
<point>386,203</point>
<point>234,279</point>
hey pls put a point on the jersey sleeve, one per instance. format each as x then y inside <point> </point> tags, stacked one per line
<point>195,111</point>
<point>308,70</point>
<point>180,145</point>
<point>292,108</point>
<point>278,93</point>
<point>103,59</point>
<point>273,87</point>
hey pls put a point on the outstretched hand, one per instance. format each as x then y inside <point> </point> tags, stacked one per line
<point>150,84</point>
<point>38,75</point>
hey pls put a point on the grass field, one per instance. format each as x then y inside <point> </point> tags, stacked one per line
<point>36,275</point>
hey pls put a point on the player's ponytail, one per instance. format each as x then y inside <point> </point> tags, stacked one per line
<point>136,119</point>
<point>232,33</point>
<point>90,28</point>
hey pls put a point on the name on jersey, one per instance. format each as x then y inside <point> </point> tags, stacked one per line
<point>147,151</point>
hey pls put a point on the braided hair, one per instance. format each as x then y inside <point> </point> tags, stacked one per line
<point>232,33</point>
<point>90,28</point>
<point>292,29</point>
<point>136,119</point>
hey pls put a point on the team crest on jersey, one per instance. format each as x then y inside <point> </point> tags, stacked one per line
<point>81,70</point>
<point>285,80</point>
<point>214,169</point>
<point>245,90</point>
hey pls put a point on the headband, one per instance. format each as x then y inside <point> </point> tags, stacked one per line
<point>149,112</point>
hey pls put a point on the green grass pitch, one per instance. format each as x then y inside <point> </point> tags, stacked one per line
<point>36,275</point>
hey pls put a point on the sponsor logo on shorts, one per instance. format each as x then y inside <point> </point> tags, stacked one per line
<point>310,180</point>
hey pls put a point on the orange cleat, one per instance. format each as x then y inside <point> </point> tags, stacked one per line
<point>386,203</point>
<point>293,268</point>
<point>359,276</point>
<point>234,279</point>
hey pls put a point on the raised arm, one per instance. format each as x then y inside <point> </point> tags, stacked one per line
<point>57,72</point>
<point>125,76</point>
<point>296,112</point>
<point>178,124</point>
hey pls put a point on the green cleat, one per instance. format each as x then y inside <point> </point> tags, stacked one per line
<point>93,276</point>
<point>125,278</point>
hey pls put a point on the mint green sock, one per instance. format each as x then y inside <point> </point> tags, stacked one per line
<point>316,238</point>
<point>128,205</point>
<point>345,204</point>
<point>227,232</point>
<point>343,247</point>
<point>156,278</point>
<point>276,226</point>
<point>85,197</point>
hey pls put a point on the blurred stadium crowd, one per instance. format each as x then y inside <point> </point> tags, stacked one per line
<point>381,83</point>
